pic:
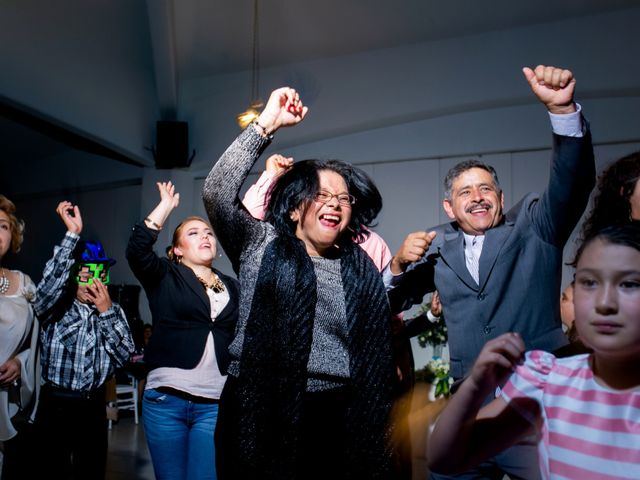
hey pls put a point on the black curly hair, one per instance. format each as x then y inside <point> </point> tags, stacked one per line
<point>611,205</point>
<point>627,235</point>
<point>299,185</point>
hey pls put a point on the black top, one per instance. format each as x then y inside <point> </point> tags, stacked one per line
<point>180,307</point>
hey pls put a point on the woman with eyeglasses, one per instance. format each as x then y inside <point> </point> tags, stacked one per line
<point>309,387</point>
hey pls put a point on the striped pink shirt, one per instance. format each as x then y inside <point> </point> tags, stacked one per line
<point>589,432</point>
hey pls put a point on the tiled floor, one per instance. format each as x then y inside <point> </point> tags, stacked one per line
<point>128,457</point>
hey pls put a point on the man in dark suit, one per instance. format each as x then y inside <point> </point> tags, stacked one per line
<point>500,272</point>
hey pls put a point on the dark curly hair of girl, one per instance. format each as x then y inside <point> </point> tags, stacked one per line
<point>627,235</point>
<point>611,204</point>
<point>299,185</point>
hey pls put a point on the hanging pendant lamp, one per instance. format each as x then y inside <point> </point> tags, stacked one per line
<point>251,113</point>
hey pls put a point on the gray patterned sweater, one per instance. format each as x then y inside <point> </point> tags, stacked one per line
<point>272,351</point>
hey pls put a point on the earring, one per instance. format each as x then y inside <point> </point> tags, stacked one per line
<point>179,259</point>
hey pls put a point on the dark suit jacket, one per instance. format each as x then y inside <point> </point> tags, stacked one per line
<point>520,265</point>
<point>180,307</point>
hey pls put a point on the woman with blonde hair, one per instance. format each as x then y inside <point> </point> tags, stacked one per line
<point>194,309</point>
<point>18,348</point>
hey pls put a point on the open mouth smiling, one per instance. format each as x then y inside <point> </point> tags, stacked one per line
<point>330,220</point>
<point>479,209</point>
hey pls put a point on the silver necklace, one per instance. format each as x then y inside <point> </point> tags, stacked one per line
<point>4,283</point>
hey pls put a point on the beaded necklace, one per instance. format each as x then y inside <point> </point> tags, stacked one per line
<point>5,283</point>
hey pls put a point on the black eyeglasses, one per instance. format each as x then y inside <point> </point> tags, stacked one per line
<point>344,199</point>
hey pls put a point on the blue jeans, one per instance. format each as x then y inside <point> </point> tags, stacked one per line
<point>180,436</point>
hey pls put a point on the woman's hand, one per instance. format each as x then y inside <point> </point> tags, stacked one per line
<point>284,109</point>
<point>10,372</point>
<point>72,222</point>
<point>277,164</point>
<point>169,199</point>
<point>168,194</point>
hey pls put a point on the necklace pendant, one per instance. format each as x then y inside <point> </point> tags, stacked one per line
<point>5,283</point>
<point>215,284</point>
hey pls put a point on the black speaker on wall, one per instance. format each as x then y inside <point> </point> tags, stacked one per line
<point>172,145</point>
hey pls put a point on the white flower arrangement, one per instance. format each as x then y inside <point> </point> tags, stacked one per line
<point>442,380</point>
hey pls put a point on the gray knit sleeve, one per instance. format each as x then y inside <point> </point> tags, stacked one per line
<point>235,228</point>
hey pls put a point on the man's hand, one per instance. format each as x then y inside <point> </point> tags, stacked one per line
<point>99,295</point>
<point>72,222</point>
<point>436,306</point>
<point>278,164</point>
<point>497,360</point>
<point>553,86</point>
<point>284,109</point>
<point>412,249</point>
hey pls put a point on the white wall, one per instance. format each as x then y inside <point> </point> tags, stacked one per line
<point>452,97</point>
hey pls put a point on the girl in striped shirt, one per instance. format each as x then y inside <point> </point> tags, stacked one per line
<point>585,409</point>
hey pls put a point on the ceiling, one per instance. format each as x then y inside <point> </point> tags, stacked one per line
<point>297,30</point>
<point>195,39</point>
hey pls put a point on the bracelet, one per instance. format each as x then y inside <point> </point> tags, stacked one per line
<point>262,131</point>
<point>153,224</point>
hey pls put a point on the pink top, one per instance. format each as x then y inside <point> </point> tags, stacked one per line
<point>588,431</point>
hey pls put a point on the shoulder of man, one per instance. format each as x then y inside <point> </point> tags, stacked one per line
<point>522,207</point>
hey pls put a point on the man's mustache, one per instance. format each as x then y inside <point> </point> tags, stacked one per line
<point>483,204</point>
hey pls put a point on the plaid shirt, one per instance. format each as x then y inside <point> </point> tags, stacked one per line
<point>80,346</point>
